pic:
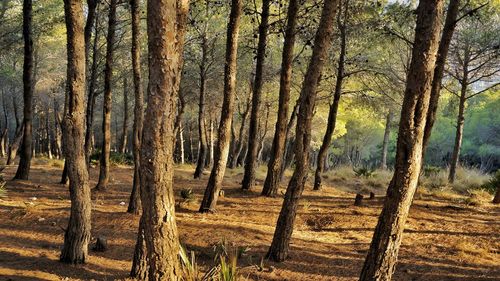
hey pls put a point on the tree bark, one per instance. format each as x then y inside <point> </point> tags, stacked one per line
<point>444,46</point>
<point>273,177</point>
<point>224,134</point>
<point>322,42</point>
<point>239,143</point>
<point>77,234</point>
<point>332,114</point>
<point>123,140</point>
<point>455,158</point>
<point>106,119</point>
<point>385,142</point>
<point>26,152</point>
<point>382,255</point>
<point>140,268</point>
<point>166,22</point>
<point>496,200</point>
<point>253,130</point>
<point>202,152</point>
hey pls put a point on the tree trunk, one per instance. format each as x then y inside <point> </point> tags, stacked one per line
<point>382,255</point>
<point>239,144</point>
<point>4,141</point>
<point>444,46</point>
<point>181,143</point>
<point>496,200</point>
<point>77,234</point>
<point>166,22</point>
<point>202,152</point>
<point>139,269</point>
<point>224,134</point>
<point>106,119</point>
<point>253,130</point>
<point>58,130</point>
<point>332,114</point>
<point>123,141</point>
<point>455,158</point>
<point>275,164</point>
<point>26,152</point>
<point>91,94</point>
<point>385,142</point>
<point>134,204</point>
<point>322,42</point>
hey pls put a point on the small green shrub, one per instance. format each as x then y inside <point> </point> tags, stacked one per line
<point>493,184</point>
<point>115,158</point>
<point>364,172</point>
<point>187,194</point>
<point>431,170</point>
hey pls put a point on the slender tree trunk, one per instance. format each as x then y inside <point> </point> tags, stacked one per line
<point>279,248</point>
<point>202,152</point>
<point>253,130</point>
<point>57,130</point>
<point>274,166</point>
<point>181,143</point>
<point>134,204</point>
<point>385,142</point>
<point>106,119</point>
<point>332,114</point>
<point>77,234</point>
<point>239,144</point>
<point>139,262</point>
<point>455,158</point>
<point>26,152</point>
<point>444,46</point>
<point>5,133</point>
<point>123,141</point>
<point>166,27</point>
<point>382,255</point>
<point>47,132</point>
<point>212,140</point>
<point>18,137</point>
<point>224,135</point>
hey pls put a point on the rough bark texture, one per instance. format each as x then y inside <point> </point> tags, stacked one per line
<point>273,177</point>
<point>322,42</point>
<point>106,112</point>
<point>139,268</point>
<point>166,24</point>
<point>382,255</point>
<point>455,157</point>
<point>253,130</point>
<point>202,152</point>
<point>444,46</point>
<point>77,234</point>
<point>134,204</point>
<point>385,142</point>
<point>224,135</point>
<point>26,152</point>
<point>332,114</point>
<point>124,138</point>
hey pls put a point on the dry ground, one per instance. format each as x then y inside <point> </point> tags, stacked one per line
<point>445,239</point>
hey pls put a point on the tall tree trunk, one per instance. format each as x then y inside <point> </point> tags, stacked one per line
<point>322,42</point>
<point>274,166</point>
<point>382,255</point>
<point>47,132</point>
<point>26,152</point>
<point>444,46</point>
<point>134,204</point>
<point>455,158</point>
<point>77,234</point>
<point>181,143</point>
<point>91,94</point>
<point>202,152</point>
<point>57,130</point>
<point>5,132</point>
<point>166,27</point>
<point>332,114</point>
<point>385,142</point>
<point>224,134</point>
<point>253,130</point>
<point>106,118</point>
<point>239,143</point>
<point>18,136</point>
<point>123,141</point>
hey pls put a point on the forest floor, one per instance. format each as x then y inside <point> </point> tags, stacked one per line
<point>446,237</point>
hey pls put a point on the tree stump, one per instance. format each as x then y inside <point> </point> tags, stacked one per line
<point>101,244</point>
<point>358,200</point>
<point>372,195</point>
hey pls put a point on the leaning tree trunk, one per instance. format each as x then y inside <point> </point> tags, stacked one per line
<point>134,204</point>
<point>385,142</point>
<point>26,152</point>
<point>332,115</point>
<point>224,135</point>
<point>166,22</point>
<point>273,177</point>
<point>382,255</point>
<point>123,140</point>
<point>77,234</point>
<point>455,158</point>
<point>202,152</point>
<point>444,46</point>
<point>238,147</point>
<point>253,129</point>
<point>106,119</point>
<point>322,42</point>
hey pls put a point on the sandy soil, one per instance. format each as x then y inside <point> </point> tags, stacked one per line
<point>445,239</point>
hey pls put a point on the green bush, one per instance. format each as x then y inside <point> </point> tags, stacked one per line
<point>364,172</point>
<point>115,158</point>
<point>493,184</point>
<point>431,170</point>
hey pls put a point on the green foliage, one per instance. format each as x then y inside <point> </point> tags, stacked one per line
<point>431,170</point>
<point>229,269</point>
<point>364,172</point>
<point>187,194</point>
<point>493,184</point>
<point>115,158</point>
